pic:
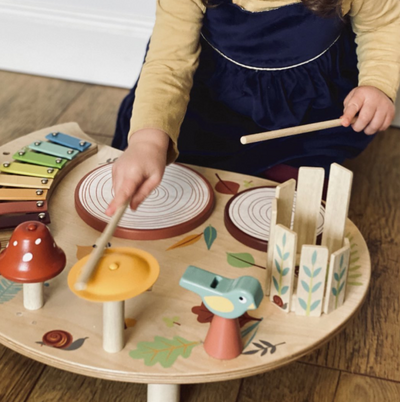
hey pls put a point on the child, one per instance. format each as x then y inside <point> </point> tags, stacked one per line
<point>249,66</point>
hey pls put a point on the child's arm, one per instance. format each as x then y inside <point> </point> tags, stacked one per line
<point>377,28</point>
<point>161,99</point>
<point>140,168</point>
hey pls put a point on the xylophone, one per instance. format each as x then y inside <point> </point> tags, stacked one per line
<point>32,173</point>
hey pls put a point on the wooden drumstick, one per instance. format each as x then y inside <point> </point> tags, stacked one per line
<point>286,132</point>
<point>98,250</point>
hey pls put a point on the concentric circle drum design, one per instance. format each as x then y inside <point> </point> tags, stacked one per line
<point>248,217</point>
<point>183,201</point>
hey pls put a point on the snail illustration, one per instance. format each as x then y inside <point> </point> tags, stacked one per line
<point>60,339</point>
<point>279,302</point>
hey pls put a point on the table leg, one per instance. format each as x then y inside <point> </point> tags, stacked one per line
<point>163,392</point>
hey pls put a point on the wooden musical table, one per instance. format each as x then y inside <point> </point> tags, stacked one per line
<point>165,327</point>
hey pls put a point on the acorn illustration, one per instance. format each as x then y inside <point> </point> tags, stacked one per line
<point>60,339</point>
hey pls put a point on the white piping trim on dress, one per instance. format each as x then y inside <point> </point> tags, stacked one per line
<point>267,68</point>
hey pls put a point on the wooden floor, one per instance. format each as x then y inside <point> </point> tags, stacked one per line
<point>361,364</point>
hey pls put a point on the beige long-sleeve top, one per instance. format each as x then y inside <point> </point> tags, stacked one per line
<point>163,90</point>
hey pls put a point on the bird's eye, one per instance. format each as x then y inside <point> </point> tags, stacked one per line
<point>242,299</point>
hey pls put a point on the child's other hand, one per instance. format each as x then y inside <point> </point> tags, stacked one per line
<point>375,110</point>
<point>139,169</point>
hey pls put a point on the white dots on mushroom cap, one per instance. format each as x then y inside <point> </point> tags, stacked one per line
<point>15,243</point>
<point>38,241</point>
<point>27,257</point>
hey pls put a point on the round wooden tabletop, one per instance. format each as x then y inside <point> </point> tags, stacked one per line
<point>165,326</point>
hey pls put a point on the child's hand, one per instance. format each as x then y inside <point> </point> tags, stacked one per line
<point>139,169</point>
<point>375,110</point>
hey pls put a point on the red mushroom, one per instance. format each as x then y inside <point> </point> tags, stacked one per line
<point>32,257</point>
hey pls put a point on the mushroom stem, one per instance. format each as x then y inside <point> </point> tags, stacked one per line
<point>163,392</point>
<point>113,326</point>
<point>33,295</point>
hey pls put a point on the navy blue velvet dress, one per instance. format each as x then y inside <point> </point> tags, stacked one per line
<point>263,71</point>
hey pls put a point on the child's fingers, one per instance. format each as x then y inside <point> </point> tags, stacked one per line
<point>353,106</point>
<point>387,122</point>
<point>365,116</point>
<point>376,122</point>
<point>144,190</point>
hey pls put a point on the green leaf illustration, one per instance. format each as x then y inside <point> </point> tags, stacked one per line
<point>305,286</point>
<point>8,290</point>
<point>334,292</point>
<point>278,249</point>
<point>316,287</point>
<point>285,271</point>
<point>303,304</point>
<point>277,265</point>
<point>336,276</point>
<point>284,240</point>
<point>240,260</point>
<point>162,350</point>
<point>314,258</point>
<point>210,234</point>
<point>341,287</point>
<point>275,283</point>
<point>315,305</point>
<point>342,273</point>
<point>316,272</point>
<point>286,256</point>
<point>307,271</point>
<point>284,290</point>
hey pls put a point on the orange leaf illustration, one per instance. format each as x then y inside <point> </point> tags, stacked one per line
<point>187,241</point>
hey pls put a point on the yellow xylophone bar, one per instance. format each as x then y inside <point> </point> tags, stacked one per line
<point>25,181</point>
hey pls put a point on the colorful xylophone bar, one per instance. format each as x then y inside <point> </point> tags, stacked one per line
<point>26,182</point>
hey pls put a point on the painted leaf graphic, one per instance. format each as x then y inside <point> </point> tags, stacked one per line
<point>336,276</point>
<point>278,267</point>
<point>162,350</point>
<point>278,249</point>
<point>342,273</point>
<point>305,286</point>
<point>341,287</point>
<point>307,271</point>
<point>8,290</point>
<point>285,271</point>
<point>334,291</point>
<point>314,305</point>
<point>284,240</point>
<point>275,283</point>
<point>284,290</point>
<point>204,315</point>
<point>187,241</point>
<point>210,234</point>
<point>314,258</point>
<point>316,272</point>
<point>303,304</point>
<point>226,187</point>
<point>240,260</point>
<point>286,256</point>
<point>316,287</point>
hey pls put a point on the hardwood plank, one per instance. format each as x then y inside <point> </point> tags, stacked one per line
<point>293,383</point>
<point>62,386</point>
<point>226,391</point>
<point>358,388</point>
<point>18,375</point>
<point>28,103</point>
<point>369,345</point>
<point>95,110</point>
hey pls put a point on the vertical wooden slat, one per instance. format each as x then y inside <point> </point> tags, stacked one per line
<point>284,259</point>
<point>337,278</point>
<point>337,207</point>
<point>308,203</point>
<point>311,284</point>
<point>285,197</point>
